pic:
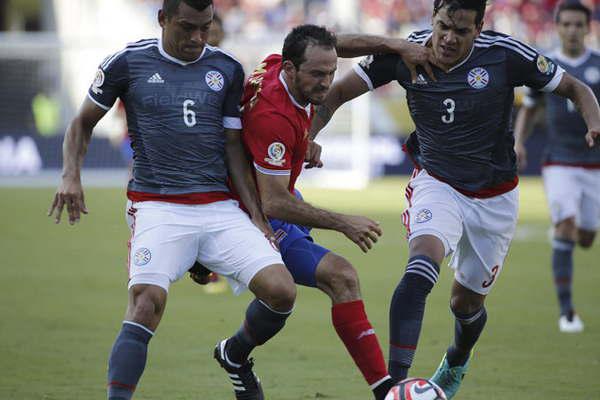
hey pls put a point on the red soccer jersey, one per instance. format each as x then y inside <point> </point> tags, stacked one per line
<point>275,126</point>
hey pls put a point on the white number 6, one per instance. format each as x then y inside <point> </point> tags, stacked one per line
<point>189,117</point>
<point>448,119</point>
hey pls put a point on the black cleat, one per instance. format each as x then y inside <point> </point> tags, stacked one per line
<point>246,384</point>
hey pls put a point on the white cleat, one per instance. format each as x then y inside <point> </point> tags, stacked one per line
<point>573,326</point>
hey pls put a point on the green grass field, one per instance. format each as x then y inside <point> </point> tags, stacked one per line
<point>63,294</point>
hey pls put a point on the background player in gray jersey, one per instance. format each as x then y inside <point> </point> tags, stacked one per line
<point>182,102</point>
<point>571,170</point>
<point>463,197</point>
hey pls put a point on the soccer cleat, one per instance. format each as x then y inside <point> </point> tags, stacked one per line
<point>449,379</point>
<point>246,384</point>
<point>575,325</point>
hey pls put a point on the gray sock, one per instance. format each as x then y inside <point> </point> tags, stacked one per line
<point>562,269</point>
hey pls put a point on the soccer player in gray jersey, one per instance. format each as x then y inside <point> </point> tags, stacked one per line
<point>182,102</point>
<point>462,198</point>
<point>571,170</point>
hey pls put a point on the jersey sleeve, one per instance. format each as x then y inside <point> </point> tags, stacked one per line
<point>271,140</point>
<point>526,66</point>
<point>110,81</point>
<point>231,105</point>
<point>377,70</point>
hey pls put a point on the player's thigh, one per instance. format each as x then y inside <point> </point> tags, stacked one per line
<point>234,247</point>
<point>588,218</point>
<point>489,227</point>
<point>432,212</point>
<point>563,191</point>
<point>163,244</point>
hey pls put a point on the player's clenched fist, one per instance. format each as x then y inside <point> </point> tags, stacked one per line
<point>361,230</point>
<point>69,194</point>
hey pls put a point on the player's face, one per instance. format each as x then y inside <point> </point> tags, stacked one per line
<point>313,79</point>
<point>186,32</point>
<point>572,27</point>
<point>453,35</point>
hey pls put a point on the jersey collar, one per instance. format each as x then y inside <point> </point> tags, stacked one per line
<point>169,57</point>
<point>285,86</point>
<point>573,62</point>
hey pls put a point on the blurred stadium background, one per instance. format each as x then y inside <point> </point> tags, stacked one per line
<point>62,290</point>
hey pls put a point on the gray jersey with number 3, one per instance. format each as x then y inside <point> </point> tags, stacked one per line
<point>176,114</point>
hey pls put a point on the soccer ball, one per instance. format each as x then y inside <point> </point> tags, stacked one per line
<point>416,389</point>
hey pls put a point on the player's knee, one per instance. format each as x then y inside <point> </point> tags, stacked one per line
<point>280,294</point>
<point>147,305</point>
<point>429,246</point>
<point>339,279</point>
<point>585,239</point>
<point>566,229</point>
<point>460,304</point>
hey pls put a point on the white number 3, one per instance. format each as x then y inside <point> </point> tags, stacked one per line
<point>448,119</point>
<point>189,117</point>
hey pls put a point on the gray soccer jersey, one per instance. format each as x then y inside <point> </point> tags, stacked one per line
<point>176,115</point>
<point>463,121</point>
<point>565,126</point>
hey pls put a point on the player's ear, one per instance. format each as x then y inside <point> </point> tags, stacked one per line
<point>162,18</point>
<point>289,68</point>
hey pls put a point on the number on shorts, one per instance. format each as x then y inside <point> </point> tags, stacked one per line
<point>189,116</point>
<point>487,284</point>
<point>451,105</point>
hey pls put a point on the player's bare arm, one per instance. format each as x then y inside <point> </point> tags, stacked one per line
<point>279,203</point>
<point>523,128</point>
<point>585,101</point>
<point>356,45</point>
<point>77,139</point>
<point>240,173</point>
<point>349,87</point>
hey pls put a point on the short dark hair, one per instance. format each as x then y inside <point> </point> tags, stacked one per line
<point>453,5</point>
<point>170,7</point>
<point>296,42</point>
<point>572,5</point>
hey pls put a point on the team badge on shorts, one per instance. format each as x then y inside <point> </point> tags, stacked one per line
<point>214,80</point>
<point>478,78</point>
<point>98,82</point>
<point>142,256</point>
<point>423,215</point>
<point>276,152</point>
<point>545,66</point>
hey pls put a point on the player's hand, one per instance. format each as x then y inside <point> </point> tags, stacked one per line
<point>521,153</point>
<point>313,155</point>
<point>415,55</point>
<point>263,224</point>
<point>361,230</point>
<point>593,137</point>
<point>69,193</point>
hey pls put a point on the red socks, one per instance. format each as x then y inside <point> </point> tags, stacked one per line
<point>353,327</point>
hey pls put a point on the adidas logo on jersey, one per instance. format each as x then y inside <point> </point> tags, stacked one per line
<point>421,80</point>
<point>156,78</point>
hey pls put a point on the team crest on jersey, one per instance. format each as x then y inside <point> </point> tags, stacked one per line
<point>98,82</point>
<point>591,75</point>
<point>276,151</point>
<point>142,256</point>
<point>423,215</point>
<point>478,78</point>
<point>214,80</point>
<point>545,66</point>
<point>366,62</point>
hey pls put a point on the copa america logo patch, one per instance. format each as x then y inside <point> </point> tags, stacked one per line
<point>142,256</point>
<point>98,82</point>
<point>214,80</point>
<point>544,65</point>
<point>423,215</point>
<point>478,78</point>
<point>276,151</point>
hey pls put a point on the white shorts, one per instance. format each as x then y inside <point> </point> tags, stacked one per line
<point>573,192</point>
<point>167,238</point>
<point>477,232</point>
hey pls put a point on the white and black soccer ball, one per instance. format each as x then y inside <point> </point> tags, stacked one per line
<point>416,389</point>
